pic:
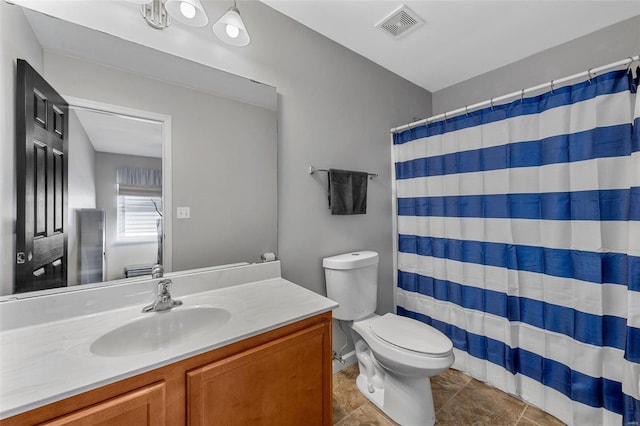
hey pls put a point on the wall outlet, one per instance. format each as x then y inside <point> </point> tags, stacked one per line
<point>183,213</point>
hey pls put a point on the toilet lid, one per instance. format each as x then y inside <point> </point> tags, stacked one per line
<point>410,334</point>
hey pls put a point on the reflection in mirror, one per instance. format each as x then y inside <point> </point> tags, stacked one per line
<point>221,163</point>
<point>115,203</point>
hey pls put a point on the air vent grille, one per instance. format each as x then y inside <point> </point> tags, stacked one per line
<point>400,22</point>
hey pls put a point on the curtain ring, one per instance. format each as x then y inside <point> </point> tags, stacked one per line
<point>522,96</point>
<point>590,76</point>
<point>629,64</point>
<point>445,117</point>
<point>552,86</point>
<point>466,110</point>
<point>491,102</point>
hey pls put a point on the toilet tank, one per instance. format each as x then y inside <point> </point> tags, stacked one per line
<point>352,281</point>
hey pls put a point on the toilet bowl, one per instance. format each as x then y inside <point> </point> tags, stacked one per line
<point>396,355</point>
<point>401,386</point>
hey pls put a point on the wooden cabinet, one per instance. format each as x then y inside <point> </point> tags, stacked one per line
<point>141,407</point>
<point>282,377</point>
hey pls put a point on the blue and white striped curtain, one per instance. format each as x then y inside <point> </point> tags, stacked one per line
<point>519,238</point>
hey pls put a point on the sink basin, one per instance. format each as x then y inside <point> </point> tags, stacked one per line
<point>160,330</point>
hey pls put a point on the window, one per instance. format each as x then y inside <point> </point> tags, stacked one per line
<point>138,217</point>
<point>139,193</point>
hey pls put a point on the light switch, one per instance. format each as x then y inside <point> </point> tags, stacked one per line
<point>184,213</point>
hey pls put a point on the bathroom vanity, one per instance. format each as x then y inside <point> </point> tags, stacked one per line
<point>267,362</point>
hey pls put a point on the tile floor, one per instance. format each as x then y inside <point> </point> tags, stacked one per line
<point>458,399</point>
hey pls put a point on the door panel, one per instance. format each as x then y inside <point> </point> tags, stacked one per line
<point>40,190</point>
<point>58,194</point>
<point>39,109</point>
<point>41,164</point>
<point>280,383</point>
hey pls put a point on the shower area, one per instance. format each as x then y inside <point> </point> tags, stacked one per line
<point>518,236</point>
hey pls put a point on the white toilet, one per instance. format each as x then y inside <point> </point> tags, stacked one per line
<point>396,355</point>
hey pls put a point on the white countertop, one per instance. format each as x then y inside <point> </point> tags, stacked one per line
<point>43,363</point>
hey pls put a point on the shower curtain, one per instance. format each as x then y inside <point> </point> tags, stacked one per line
<point>519,238</point>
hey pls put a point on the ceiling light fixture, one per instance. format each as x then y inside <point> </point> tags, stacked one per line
<point>154,13</point>
<point>189,12</point>
<point>158,13</point>
<point>231,29</point>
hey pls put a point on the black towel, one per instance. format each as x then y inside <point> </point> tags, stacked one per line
<point>347,192</point>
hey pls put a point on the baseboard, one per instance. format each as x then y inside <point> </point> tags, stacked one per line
<point>349,359</point>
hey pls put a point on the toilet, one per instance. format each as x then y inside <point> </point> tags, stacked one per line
<point>396,355</point>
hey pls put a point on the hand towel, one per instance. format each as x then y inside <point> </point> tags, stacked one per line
<point>347,192</point>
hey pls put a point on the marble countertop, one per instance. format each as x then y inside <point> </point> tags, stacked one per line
<point>47,362</point>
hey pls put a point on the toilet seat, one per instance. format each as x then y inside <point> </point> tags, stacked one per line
<point>412,335</point>
<point>406,362</point>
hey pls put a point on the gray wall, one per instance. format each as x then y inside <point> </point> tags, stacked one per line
<point>120,254</point>
<point>16,41</point>
<point>336,109</point>
<point>82,189</point>
<point>602,47</point>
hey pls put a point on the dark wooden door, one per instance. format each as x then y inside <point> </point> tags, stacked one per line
<point>41,165</point>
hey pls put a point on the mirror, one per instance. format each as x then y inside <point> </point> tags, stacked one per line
<point>219,140</point>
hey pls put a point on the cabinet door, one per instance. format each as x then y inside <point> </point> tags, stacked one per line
<point>145,406</point>
<point>283,382</point>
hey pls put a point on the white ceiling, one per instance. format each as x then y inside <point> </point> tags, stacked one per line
<point>119,134</point>
<point>459,39</point>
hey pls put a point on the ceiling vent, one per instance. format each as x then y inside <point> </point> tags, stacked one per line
<point>400,22</point>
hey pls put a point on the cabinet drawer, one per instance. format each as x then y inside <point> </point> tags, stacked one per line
<point>144,406</point>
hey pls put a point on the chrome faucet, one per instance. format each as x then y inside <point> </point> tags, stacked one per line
<point>163,300</point>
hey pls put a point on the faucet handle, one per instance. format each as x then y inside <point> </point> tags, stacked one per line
<point>157,271</point>
<point>163,300</point>
<point>164,286</point>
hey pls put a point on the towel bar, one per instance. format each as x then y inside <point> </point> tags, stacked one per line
<point>313,169</point>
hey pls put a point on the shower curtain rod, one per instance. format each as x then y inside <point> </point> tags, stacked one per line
<point>520,93</point>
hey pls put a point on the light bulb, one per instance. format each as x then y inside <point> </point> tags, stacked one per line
<point>187,10</point>
<point>232,31</point>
